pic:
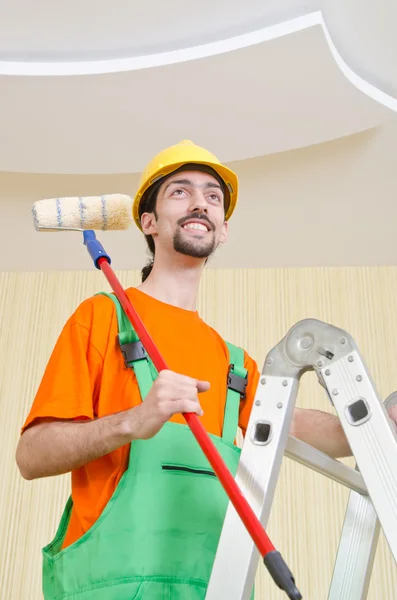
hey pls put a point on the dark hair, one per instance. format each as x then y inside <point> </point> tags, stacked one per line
<point>148,204</point>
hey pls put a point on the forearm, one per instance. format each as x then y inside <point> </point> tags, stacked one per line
<point>321,430</point>
<point>55,447</point>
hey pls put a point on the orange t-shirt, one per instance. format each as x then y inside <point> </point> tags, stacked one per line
<point>86,378</point>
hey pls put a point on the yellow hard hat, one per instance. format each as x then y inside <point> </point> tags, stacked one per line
<point>174,157</point>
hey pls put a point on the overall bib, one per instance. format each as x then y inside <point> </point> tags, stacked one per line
<point>158,534</point>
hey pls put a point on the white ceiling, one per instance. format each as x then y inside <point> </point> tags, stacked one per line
<point>88,125</point>
<point>98,87</point>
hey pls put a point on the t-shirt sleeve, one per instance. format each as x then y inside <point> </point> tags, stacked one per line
<point>72,376</point>
<point>246,404</point>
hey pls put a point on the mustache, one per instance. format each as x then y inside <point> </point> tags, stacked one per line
<point>201,217</point>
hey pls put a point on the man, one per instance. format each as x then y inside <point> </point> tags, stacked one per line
<point>147,511</point>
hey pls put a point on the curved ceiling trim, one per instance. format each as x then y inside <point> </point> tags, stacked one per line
<point>360,83</point>
<point>130,64</point>
<point>136,63</point>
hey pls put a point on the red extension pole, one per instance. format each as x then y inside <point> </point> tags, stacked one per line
<point>277,568</point>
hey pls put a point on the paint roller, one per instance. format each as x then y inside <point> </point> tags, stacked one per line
<point>114,212</point>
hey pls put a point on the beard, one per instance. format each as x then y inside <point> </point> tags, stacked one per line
<point>196,246</point>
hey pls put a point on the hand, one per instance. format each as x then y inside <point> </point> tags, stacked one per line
<point>393,415</point>
<point>170,393</point>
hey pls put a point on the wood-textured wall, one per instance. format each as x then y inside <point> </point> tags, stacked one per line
<point>252,308</point>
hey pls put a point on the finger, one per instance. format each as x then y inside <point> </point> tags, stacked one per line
<point>180,381</point>
<point>188,406</point>
<point>203,386</point>
<point>180,391</point>
<point>190,391</point>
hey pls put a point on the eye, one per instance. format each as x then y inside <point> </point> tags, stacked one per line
<point>178,192</point>
<point>215,198</point>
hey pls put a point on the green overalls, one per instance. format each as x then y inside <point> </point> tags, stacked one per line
<point>158,534</point>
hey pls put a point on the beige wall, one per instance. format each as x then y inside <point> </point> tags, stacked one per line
<point>328,205</point>
<point>253,308</point>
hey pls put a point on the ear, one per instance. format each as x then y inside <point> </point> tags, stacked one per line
<point>148,223</point>
<point>224,232</point>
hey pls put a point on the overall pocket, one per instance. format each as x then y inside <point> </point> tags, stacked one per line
<point>186,470</point>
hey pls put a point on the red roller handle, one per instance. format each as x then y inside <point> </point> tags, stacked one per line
<point>279,571</point>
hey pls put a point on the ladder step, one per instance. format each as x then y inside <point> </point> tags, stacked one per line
<point>324,464</point>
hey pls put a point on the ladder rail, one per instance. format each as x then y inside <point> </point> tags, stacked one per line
<point>236,559</point>
<point>357,546</point>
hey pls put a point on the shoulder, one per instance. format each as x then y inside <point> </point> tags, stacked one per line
<point>249,363</point>
<point>97,309</point>
<point>95,319</point>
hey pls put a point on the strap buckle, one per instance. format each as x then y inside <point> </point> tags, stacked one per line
<point>237,383</point>
<point>132,352</point>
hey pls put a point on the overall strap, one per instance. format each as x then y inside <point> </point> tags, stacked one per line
<point>237,380</point>
<point>135,356</point>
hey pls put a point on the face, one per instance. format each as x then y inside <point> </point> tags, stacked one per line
<point>190,215</point>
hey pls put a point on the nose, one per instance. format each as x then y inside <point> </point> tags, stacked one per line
<point>198,202</point>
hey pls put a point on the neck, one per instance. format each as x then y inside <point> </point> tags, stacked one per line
<point>175,283</point>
